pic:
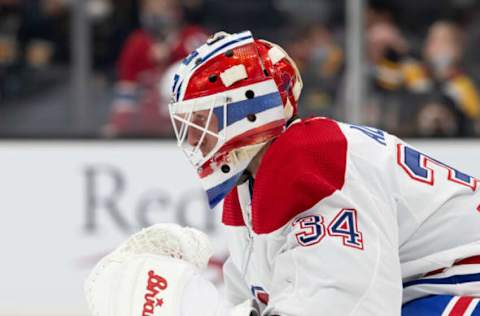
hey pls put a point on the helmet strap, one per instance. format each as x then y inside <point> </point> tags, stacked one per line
<point>291,120</point>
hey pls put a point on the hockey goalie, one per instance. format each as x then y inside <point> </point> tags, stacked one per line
<point>322,217</point>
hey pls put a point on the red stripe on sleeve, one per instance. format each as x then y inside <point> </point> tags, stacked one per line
<point>470,260</point>
<point>461,306</point>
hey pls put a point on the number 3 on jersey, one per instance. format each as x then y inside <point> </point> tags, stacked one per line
<point>311,229</point>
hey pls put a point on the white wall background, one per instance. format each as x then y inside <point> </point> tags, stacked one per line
<point>65,204</point>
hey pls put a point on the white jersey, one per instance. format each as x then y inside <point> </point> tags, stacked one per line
<point>349,220</point>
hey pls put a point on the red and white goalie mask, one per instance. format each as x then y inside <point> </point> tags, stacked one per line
<point>230,97</point>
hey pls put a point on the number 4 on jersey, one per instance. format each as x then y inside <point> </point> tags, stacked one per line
<point>311,229</point>
<point>345,225</point>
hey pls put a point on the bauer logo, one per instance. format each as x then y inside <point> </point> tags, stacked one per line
<point>155,284</point>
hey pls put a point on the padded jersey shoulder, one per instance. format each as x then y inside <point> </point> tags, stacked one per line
<point>301,167</point>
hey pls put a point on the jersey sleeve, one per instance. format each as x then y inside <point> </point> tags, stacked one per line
<point>337,261</point>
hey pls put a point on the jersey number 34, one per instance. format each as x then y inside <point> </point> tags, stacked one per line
<point>311,229</point>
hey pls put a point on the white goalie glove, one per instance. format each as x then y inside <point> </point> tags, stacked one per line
<point>157,272</point>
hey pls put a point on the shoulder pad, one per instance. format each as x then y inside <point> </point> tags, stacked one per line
<point>301,167</point>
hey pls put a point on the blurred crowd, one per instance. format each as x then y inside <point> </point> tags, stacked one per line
<point>421,65</point>
<point>33,38</point>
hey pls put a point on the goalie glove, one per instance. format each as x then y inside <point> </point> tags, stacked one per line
<point>157,272</point>
<point>154,272</point>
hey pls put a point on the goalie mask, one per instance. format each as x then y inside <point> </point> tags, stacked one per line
<point>230,97</point>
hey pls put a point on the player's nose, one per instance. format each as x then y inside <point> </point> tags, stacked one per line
<point>193,136</point>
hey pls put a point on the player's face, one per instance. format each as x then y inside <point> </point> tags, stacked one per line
<point>199,131</point>
<point>198,137</point>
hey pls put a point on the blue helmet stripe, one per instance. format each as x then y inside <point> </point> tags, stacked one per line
<point>190,57</point>
<point>178,91</point>
<point>217,194</point>
<point>175,82</point>
<point>239,110</point>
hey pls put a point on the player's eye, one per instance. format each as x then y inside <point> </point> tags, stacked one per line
<point>199,119</point>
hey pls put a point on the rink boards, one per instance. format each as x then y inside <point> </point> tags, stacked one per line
<point>65,204</point>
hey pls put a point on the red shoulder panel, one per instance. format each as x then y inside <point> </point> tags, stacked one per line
<point>232,212</point>
<point>303,166</point>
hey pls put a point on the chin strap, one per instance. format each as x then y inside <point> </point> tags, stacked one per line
<point>249,153</point>
<point>246,153</point>
<point>292,120</point>
<point>244,177</point>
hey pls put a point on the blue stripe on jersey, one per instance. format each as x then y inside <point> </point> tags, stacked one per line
<point>427,306</point>
<point>476,311</point>
<point>239,110</point>
<point>216,194</point>
<point>454,279</point>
